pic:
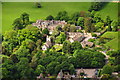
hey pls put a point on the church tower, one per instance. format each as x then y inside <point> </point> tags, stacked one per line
<point>48,39</point>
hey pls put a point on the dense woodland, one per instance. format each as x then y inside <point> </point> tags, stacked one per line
<point>22,57</point>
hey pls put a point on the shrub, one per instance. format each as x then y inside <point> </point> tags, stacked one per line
<point>50,17</point>
<point>91,40</point>
<point>94,35</point>
<point>38,5</point>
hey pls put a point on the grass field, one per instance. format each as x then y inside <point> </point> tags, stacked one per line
<point>12,10</point>
<point>114,42</point>
<point>110,9</point>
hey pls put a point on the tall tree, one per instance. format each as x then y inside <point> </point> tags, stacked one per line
<point>67,47</point>
<point>80,21</point>
<point>62,16</point>
<point>39,69</point>
<point>75,16</point>
<point>24,69</point>
<point>76,45</point>
<point>8,69</point>
<point>87,24</point>
<point>17,24</point>
<point>108,20</point>
<point>96,6</point>
<point>25,19</point>
<point>61,38</point>
<point>114,25</point>
<point>107,69</point>
<point>97,18</point>
<point>51,67</point>
<point>99,26</point>
<point>45,31</point>
<point>73,28</point>
<point>50,17</point>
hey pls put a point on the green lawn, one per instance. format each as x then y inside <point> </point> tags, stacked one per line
<point>114,42</point>
<point>12,10</point>
<point>110,9</point>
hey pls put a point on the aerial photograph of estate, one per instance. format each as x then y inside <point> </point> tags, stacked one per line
<point>60,40</point>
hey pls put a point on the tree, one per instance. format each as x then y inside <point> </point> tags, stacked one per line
<point>83,59</point>
<point>101,40</point>
<point>10,41</point>
<point>82,13</point>
<point>61,58</point>
<point>76,46</point>
<point>59,28</point>
<point>51,67</point>
<point>17,24</point>
<point>62,16</point>
<point>114,25</point>
<point>98,60</point>
<point>31,33</point>
<point>67,47</point>
<point>116,54</point>
<point>39,69</point>
<point>87,24</point>
<point>25,19</point>
<point>80,21</point>
<point>61,38</point>
<point>69,28</point>
<point>94,35</point>
<point>24,69</point>
<point>55,33</point>
<point>88,59</point>
<point>38,43</point>
<point>65,65</point>
<point>38,5</point>
<point>75,16</point>
<point>45,60</point>
<point>29,44</point>
<point>107,69</point>
<point>117,68</point>
<point>92,13</point>
<point>22,22</point>
<point>14,58</point>
<point>73,28</point>
<point>50,17</point>
<point>96,6</point>
<point>108,21</point>
<point>66,28</point>
<point>8,69</point>
<point>22,52</point>
<point>97,18</point>
<point>93,28</point>
<point>109,28</point>
<point>45,31</point>
<point>99,26</point>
